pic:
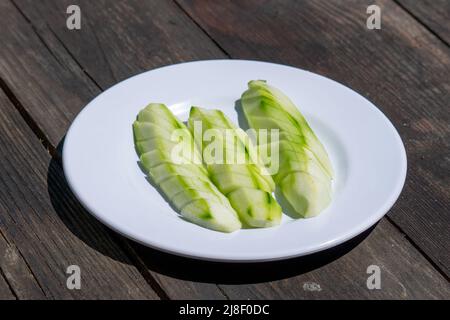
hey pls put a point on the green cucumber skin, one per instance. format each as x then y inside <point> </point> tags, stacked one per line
<point>186,185</point>
<point>305,171</point>
<point>249,191</point>
<point>259,90</point>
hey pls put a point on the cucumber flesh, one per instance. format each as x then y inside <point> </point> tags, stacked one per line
<point>249,191</point>
<point>156,113</point>
<point>187,184</point>
<point>230,181</point>
<point>306,193</point>
<point>305,171</point>
<point>211,215</point>
<point>156,157</point>
<point>270,123</point>
<point>167,170</point>
<point>187,196</point>
<point>294,159</point>
<point>147,130</point>
<point>176,184</point>
<point>260,87</point>
<point>261,209</point>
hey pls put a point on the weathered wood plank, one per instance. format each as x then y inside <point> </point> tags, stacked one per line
<point>405,274</point>
<point>34,61</point>
<point>435,14</point>
<point>34,233</point>
<point>165,268</point>
<point>117,40</point>
<point>402,68</point>
<point>16,272</point>
<point>339,273</point>
<point>5,291</point>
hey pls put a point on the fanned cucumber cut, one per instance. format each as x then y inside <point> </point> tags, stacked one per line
<point>305,171</point>
<point>171,158</point>
<point>247,185</point>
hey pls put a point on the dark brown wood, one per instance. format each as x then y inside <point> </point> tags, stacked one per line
<point>405,274</point>
<point>51,87</point>
<point>117,40</point>
<point>35,239</point>
<point>5,291</point>
<point>17,273</point>
<point>70,57</point>
<point>435,14</point>
<point>402,68</point>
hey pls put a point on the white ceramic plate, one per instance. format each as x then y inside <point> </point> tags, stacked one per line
<point>101,167</point>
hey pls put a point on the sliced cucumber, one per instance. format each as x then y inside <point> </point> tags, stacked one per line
<point>239,176</point>
<point>249,191</point>
<point>306,193</point>
<point>167,170</point>
<point>260,87</point>
<point>272,123</point>
<point>146,130</point>
<point>211,215</point>
<point>230,181</point>
<point>156,157</point>
<point>305,171</point>
<point>176,184</point>
<point>187,196</point>
<point>157,113</point>
<point>256,208</point>
<point>176,167</point>
<point>292,158</point>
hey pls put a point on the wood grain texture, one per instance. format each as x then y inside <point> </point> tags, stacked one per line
<point>338,273</point>
<point>33,232</point>
<point>17,273</point>
<point>117,40</point>
<point>5,291</point>
<point>435,14</point>
<point>402,68</point>
<point>405,274</point>
<point>35,59</point>
<point>183,278</point>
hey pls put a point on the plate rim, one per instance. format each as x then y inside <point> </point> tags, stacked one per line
<point>281,255</point>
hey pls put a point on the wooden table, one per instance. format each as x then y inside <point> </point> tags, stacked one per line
<point>48,73</point>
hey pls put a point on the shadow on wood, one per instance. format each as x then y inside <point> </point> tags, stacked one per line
<point>66,205</point>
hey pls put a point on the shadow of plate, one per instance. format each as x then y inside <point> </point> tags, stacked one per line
<point>89,230</point>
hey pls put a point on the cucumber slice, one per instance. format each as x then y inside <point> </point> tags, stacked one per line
<point>158,114</point>
<point>211,215</point>
<point>294,158</point>
<point>176,184</point>
<point>266,108</point>
<point>307,194</point>
<point>251,171</point>
<point>271,123</point>
<point>305,171</point>
<point>164,154</point>
<point>146,130</point>
<point>186,184</point>
<point>260,87</point>
<point>257,208</point>
<point>167,170</point>
<point>187,196</point>
<point>230,181</point>
<point>249,191</point>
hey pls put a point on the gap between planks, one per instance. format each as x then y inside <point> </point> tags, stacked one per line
<point>124,245</point>
<point>56,154</point>
<point>51,149</point>
<point>53,152</point>
<point>391,221</point>
<point>421,22</point>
